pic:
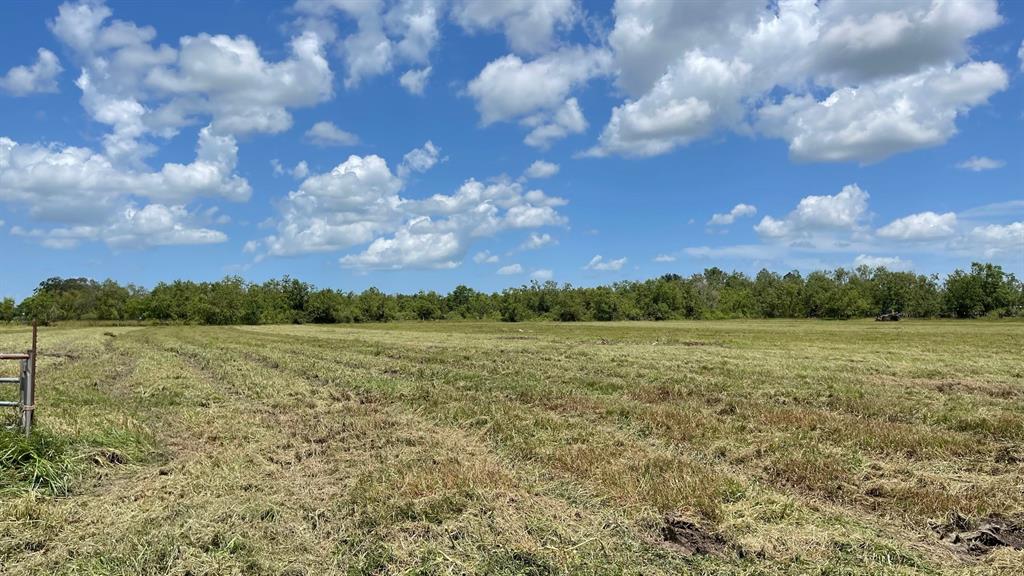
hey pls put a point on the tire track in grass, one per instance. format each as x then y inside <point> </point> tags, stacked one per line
<point>522,411</point>
<point>810,427</point>
<point>543,510</point>
<point>872,509</point>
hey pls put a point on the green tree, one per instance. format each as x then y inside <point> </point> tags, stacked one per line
<point>375,306</point>
<point>7,310</point>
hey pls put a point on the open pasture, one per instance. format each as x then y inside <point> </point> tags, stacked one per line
<point>767,447</point>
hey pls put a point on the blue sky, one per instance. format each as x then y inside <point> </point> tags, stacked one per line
<point>420,145</point>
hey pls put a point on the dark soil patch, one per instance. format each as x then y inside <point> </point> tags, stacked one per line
<point>977,538</point>
<point>109,456</point>
<point>687,537</point>
<point>1005,455</point>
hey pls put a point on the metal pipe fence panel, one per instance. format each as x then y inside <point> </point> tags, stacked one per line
<point>26,381</point>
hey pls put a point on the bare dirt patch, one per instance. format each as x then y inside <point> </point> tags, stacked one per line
<point>977,538</point>
<point>688,538</point>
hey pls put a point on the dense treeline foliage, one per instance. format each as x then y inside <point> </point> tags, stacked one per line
<point>984,290</point>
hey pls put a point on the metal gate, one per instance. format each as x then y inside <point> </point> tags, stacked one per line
<point>26,381</point>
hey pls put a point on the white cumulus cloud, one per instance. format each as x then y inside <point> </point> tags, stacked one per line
<point>386,33</point>
<point>548,127</point>
<point>131,228</point>
<point>600,264</point>
<point>509,88</point>
<point>894,263</point>
<point>39,77</point>
<point>738,211</point>
<point>359,202</point>
<point>485,257</point>
<point>419,159</point>
<point>327,134</point>
<point>873,122</point>
<point>536,241</point>
<point>409,249</point>
<point>980,164</point>
<point>922,226</point>
<point>301,170</point>
<point>415,81</point>
<point>528,25</point>
<point>815,213</point>
<point>896,76</point>
<point>541,169</point>
<point>996,239</point>
<point>73,184</point>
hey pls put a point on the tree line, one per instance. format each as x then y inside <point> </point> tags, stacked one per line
<point>984,290</point>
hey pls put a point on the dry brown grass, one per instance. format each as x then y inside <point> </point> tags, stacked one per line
<point>809,447</point>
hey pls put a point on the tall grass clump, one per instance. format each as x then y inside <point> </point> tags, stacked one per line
<point>40,461</point>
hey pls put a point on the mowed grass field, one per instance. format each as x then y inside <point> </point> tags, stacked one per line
<point>746,447</point>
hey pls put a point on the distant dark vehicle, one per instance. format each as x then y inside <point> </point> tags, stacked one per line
<point>890,316</point>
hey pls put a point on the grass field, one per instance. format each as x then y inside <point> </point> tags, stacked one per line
<point>767,447</point>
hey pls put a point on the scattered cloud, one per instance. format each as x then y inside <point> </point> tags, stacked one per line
<point>409,248</point>
<point>327,134</point>
<point>419,159</point>
<point>600,264</point>
<point>995,239</point>
<point>547,128</point>
<point>825,230</point>
<point>301,170</point>
<point>542,275</point>
<point>386,33</point>
<point>510,270</point>
<point>509,88</point>
<point>359,202</point>
<point>131,228</point>
<point>541,169</point>
<point>837,81</point>
<point>528,26</point>
<point>485,257</point>
<point>895,77</point>
<point>996,209</point>
<point>738,211</point>
<point>77,185</point>
<point>143,93</point>
<point>39,77</point>
<point>816,213</point>
<point>870,123</point>
<point>225,72</point>
<point>894,263</point>
<point>922,226</point>
<point>980,164</point>
<point>536,241</point>
<point>415,81</point>
<point>664,258</point>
